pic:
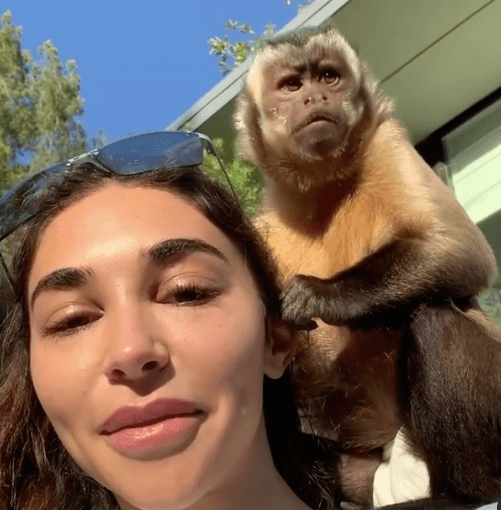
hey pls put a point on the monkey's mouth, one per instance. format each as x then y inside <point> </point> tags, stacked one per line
<point>318,117</point>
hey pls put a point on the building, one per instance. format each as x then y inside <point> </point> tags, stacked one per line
<point>440,60</point>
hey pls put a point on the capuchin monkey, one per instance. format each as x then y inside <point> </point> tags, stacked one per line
<point>375,251</point>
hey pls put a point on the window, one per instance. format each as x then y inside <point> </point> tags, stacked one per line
<point>474,164</point>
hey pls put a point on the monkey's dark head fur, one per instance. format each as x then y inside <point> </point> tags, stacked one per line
<point>307,102</point>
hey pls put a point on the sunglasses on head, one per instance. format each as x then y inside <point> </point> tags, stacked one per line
<point>134,155</point>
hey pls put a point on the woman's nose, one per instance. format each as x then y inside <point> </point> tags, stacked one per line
<point>136,348</point>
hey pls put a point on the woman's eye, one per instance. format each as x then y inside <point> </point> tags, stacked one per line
<point>190,294</point>
<point>330,76</point>
<point>70,324</point>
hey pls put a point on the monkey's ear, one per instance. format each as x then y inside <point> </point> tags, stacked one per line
<point>280,343</point>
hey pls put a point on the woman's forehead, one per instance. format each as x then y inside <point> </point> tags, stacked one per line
<point>122,219</point>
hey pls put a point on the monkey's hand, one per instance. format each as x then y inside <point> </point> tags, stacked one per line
<point>308,297</point>
<point>336,302</point>
<point>298,305</point>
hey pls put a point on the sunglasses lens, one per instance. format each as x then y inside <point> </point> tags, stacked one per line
<point>152,151</point>
<point>16,204</point>
<point>138,154</point>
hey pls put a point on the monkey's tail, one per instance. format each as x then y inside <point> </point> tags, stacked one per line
<point>450,373</point>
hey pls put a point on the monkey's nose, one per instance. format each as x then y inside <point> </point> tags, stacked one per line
<point>315,99</point>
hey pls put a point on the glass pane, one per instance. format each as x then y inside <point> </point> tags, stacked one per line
<point>474,151</point>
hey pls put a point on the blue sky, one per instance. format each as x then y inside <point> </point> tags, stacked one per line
<point>142,64</point>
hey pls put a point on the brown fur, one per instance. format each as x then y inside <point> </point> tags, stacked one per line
<point>353,207</point>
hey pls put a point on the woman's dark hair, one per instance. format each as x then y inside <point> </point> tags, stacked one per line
<point>36,472</point>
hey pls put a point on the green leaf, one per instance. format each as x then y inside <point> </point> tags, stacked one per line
<point>245,177</point>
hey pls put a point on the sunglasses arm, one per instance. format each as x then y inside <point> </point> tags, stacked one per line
<point>213,151</point>
<point>7,274</point>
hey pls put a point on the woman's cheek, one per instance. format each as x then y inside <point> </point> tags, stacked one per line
<point>62,377</point>
<point>231,347</point>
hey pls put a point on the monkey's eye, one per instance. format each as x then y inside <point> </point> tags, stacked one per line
<point>291,84</point>
<point>330,76</point>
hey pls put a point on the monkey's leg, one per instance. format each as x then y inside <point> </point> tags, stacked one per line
<point>419,504</point>
<point>430,504</point>
<point>450,392</point>
<point>384,287</point>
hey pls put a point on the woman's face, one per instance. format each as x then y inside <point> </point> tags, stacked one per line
<point>148,346</point>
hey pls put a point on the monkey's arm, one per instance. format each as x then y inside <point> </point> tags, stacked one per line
<point>447,258</point>
<point>385,287</point>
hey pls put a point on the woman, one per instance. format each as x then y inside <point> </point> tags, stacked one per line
<point>134,356</point>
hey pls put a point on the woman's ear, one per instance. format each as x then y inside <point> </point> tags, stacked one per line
<point>279,347</point>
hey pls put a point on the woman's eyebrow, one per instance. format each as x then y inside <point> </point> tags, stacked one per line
<point>162,253</point>
<point>62,279</point>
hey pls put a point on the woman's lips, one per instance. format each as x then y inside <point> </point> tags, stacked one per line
<point>135,416</point>
<point>168,422</point>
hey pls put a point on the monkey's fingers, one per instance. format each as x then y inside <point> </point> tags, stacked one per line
<point>301,303</point>
<point>295,306</point>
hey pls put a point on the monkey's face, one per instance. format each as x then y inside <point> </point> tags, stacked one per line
<point>308,110</point>
<point>308,106</point>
